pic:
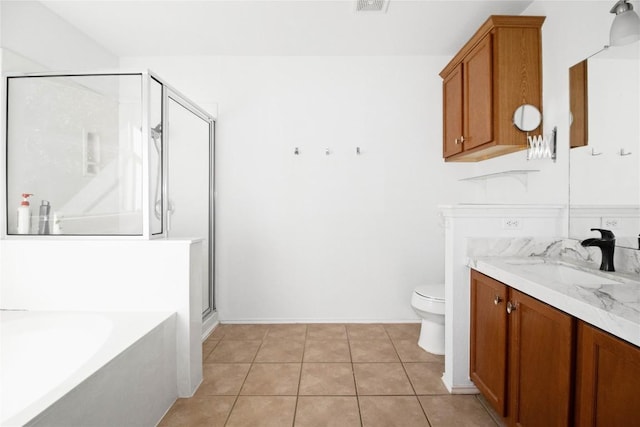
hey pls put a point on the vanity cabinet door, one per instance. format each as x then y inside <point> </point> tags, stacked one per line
<point>540,363</point>
<point>607,380</point>
<point>488,355</point>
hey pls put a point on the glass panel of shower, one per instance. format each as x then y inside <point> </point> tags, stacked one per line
<point>190,183</point>
<point>75,153</point>
<point>116,155</point>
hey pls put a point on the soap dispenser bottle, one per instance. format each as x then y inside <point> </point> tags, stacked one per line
<point>24,215</point>
<point>45,211</point>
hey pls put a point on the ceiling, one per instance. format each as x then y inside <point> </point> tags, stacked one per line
<point>268,27</point>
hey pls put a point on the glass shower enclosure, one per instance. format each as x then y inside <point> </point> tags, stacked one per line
<point>108,155</point>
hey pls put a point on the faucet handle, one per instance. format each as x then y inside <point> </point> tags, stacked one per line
<point>605,234</point>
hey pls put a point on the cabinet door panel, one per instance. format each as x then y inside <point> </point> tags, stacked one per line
<point>540,374</point>
<point>607,380</point>
<point>478,111</point>
<point>578,101</point>
<point>452,107</point>
<point>488,357</point>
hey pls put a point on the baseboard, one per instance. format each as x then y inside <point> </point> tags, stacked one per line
<point>310,321</point>
<point>461,389</point>
<point>209,324</point>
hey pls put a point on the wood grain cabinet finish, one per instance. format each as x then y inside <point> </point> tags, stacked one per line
<point>521,354</point>
<point>578,104</point>
<point>607,380</point>
<point>540,363</point>
<point>452,107</point>
<point>497,70</point>
<point>488,346</point>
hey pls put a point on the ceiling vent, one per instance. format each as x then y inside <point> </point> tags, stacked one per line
<point>372,5</point>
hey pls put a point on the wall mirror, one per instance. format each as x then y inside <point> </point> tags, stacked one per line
<point>527,117</point>
<point>604,161</point>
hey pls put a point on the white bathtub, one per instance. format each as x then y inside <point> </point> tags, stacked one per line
<point>81,368</point>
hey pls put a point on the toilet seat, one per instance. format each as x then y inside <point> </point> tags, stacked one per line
<point>433,293</point>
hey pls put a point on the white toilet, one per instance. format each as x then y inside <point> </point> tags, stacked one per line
<point>428,302</point>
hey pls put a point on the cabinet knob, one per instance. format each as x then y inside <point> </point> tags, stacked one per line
<point>510,307</point>
<point>497,300</point>
<point>459,140</point>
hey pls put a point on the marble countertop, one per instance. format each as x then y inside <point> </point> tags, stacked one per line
<point>611,303</point>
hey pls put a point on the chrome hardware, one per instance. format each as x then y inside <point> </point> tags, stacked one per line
<point>170,210</point>
<point>497,300</point>
<point>510,307</point>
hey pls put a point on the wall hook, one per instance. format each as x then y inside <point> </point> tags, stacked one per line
<point>358,151</point>
<point>296,151</point>
<point>326,151</point>
<point>623,152</point>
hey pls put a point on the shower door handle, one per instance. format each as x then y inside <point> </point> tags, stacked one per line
<point>170,210</point>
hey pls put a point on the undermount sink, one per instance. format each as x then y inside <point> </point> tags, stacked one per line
<point>563,273</point>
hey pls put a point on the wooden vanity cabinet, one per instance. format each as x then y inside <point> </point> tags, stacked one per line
<point>488,346</point>
<point>540,363</point>
<point>521,354</point>
<point>607,380</point>
<point>497,70</point>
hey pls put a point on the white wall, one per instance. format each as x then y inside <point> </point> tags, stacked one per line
<point>317,237</point>
<point>341,237</point>
<point>35,34</point>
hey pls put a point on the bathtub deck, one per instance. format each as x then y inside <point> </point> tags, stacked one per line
<point>49,356</point>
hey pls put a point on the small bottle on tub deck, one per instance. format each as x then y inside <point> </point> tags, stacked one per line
<point>23,225</point>
<point>45,211</point>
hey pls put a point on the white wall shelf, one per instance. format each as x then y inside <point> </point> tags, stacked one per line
<point>519,174</point>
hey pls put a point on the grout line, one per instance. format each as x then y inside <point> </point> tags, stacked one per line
<point>228,336</point>
<point>245,379</point>
<point>410,382</point>
<point>353,374</point>
<point>304,346</point>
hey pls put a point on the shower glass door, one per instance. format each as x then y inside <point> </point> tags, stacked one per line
<point>190,183</point>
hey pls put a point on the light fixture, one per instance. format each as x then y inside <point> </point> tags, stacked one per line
<point>625,28</point>
<point>372,5</point>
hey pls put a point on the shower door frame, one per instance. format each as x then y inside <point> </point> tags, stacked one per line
<point>169,93</point>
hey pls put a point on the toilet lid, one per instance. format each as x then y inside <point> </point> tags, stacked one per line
<point>432,292</point>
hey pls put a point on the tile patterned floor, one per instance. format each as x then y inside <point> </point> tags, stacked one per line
<point>362,375</point>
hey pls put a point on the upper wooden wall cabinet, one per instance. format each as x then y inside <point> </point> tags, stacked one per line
<point>497,70</point>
